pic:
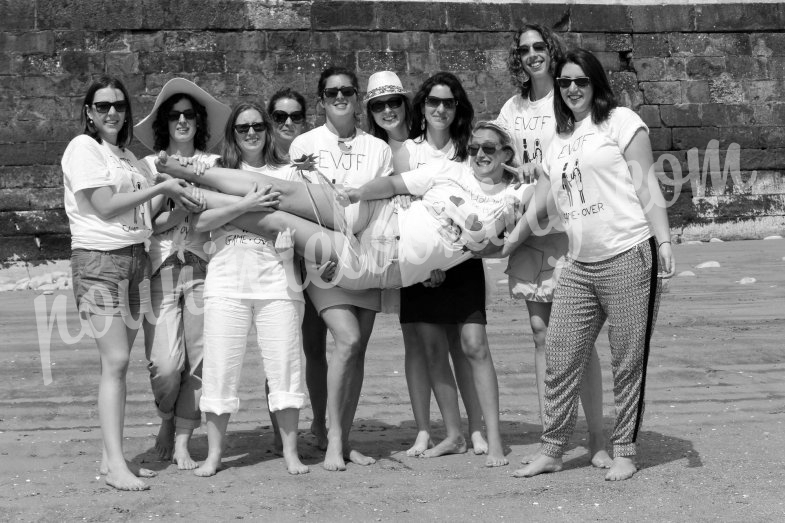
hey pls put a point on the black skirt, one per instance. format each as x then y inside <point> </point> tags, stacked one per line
<point>460,299</point>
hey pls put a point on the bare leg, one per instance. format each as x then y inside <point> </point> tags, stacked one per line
<point>277,443</point>
<point>419,385</point>
<point>114,348</point>
<point>474,341</point>
<point>351,328</point>
<point>315,347</point>
<point>216,431</point>
<point>181,455</point>
<point>434,342</point>
<point>539,314</point>
<point>591,399</point>
<point>471,401</point>
<point>164,441</point>
<point>288,419</point>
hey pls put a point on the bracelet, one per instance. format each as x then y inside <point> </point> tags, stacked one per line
<point>663,243</point>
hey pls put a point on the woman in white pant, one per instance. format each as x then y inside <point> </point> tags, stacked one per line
<point>247,284</point>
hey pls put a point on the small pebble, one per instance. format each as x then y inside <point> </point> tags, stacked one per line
<point>708,265</point>
<point>746,280</point>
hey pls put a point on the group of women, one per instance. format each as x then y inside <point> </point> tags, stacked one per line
<point>223,242</point>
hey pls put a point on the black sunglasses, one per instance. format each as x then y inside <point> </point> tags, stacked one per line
<point>243,128</point>
<point>379,105</point>
<point>189,114</point>
<point>346,91</point>
<point>280,117</point>
<point>580,81</point>
<point>434,101</point>
<point>103,107</point>
<point>540,47</point>
<point>487,148</point>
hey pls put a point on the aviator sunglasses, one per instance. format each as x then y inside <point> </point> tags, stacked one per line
<point>243,128</point>
<point>280,117</point>
<point>580,81</point>
<point>539,47</point>
<point>346,91</point>
<point>379,105</point>
<point>103,107</point>
<point>435,101</point>
<point>189,114</point>
<point>487,148</point>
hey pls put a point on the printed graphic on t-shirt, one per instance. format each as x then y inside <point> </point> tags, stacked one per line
<point>139,220</point>
<point>344,159</point>
<point>574,201</point>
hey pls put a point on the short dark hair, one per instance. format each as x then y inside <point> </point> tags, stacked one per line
<point>378,132</point>
<point>603,100</point>
<point>161,123</point>
<point>461,127</point>
<point>126,134</point>
<point>515,65</point>
<point>285,94</point>
<point>231,154</point>
<point>335,70</point>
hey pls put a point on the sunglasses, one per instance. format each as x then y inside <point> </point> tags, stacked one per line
<point>434,102</point>
<point>539,47</point>
<point>280,117</point>
<point>103,107</point>
<point>487,148</point>
<point>243,128</point>
<point>189,114</point>
<point>580,81</point>
<point>379,105</point>
<point>346,91</point>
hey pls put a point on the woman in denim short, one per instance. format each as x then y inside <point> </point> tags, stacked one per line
<point>107,195</point>
<point>185,121</point>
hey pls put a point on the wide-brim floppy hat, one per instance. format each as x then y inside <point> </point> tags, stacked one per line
<point>217,112</point>
<point>383,83</point>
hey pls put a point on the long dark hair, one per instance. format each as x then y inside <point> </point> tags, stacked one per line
<point>603,100</point>
<point>286,94</point>
<point>161,123</point>
<point>518,74</point>
<point>232,155</point>
<point>375,130</point>
<point>126,134</point>
<point>461,126</point>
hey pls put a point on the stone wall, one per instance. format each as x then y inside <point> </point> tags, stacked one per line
<point>703,77</point>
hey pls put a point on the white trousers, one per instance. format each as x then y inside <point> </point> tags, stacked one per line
<point>227,322</point>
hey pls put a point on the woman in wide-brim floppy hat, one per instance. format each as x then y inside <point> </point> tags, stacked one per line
<point>185,121</point>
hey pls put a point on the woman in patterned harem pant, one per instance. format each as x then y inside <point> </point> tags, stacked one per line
<point>619,249</point>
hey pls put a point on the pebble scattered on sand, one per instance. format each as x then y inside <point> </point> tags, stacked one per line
<point>47,283</point>
<point>686,273</point>
<point>747,280</point>
<point>773,237</point>
<point>708,265</point>
<point>694,242</point>
<point>716,240</point>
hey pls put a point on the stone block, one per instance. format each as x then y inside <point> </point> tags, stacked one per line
<point>710,44</point>
<point>37,130</point>
<point>17,15</point>
<point>594,42</point>
<point>166,62</point>
<point>370,61</point>
<point>745,137</point>
<point>283,15</point>
<point>52,247</point>
<point>701,67</point>
<point>610,61</point>
<point>651,45</point>
<point>659,69</point>
<point>462,61</point>
<point>102,15</point>
<point>478,17</point>
<point>331,16</point>
<point>410,16</point>
<point>15,177</point>
<point>145,42</point>
<point>17,64</point>
<point>28,154</point>
<point>723,89</point>
<point>13,223</point>
<point>661,18</point>
<point>600,18</point>
<point>200,14</point>
<point>312,62</point>
<point>695,91</point>
<point>739,17</point>
<point>772,136</point>
<point>775,68</point>
<point>203,62</point>
<point>650,114</point>
<point>286,40</point>
<point>618,42</point>
<point>688,137</point>
<point>767,44</point>
<point>417,41</point>
<point>122,64</point>
<point>31,42</point>
<point>625,87</point>
<point>748,67</point>
<point>555,15</point>
<point>681,115</point>
<point>661,92</point>
<point>660,138</point>
<point>353,41</point>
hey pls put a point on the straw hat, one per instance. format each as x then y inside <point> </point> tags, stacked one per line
<point>217,112</point>
<point>382,84</point>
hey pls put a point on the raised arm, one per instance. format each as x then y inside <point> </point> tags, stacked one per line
<point>376,189</point>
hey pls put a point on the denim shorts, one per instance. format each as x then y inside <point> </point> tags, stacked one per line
<point>107,283</point>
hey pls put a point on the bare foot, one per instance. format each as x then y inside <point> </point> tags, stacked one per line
<point>319,429</point>
<point>358,458</point>
<point>333,457</point>
<point>135,469</point>
<point>540,465</point>
<point>125,480</point>
<point>293,463</point>
<point>528,458</point>
<point>479,445</point>
<point>210,467</point>
<point>446,446</point>
<point>494,460</point>
<point>622,468</point>
<point>183,459</point>
<point>164,442</point>
<point>421,444</point>
<point>599,456</point>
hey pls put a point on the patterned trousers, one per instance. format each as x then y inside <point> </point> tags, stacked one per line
<point>624,290</point>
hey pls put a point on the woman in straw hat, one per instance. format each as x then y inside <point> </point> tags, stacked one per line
<point>185,121</point>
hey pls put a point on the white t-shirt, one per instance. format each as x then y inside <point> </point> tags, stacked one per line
<point>531,125</point>
<point>246,265</point>
<point>594,189</point>
<point>457,213</point>
<point>181,237</point>
<point>88,164</point>
<point>420,152</point>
